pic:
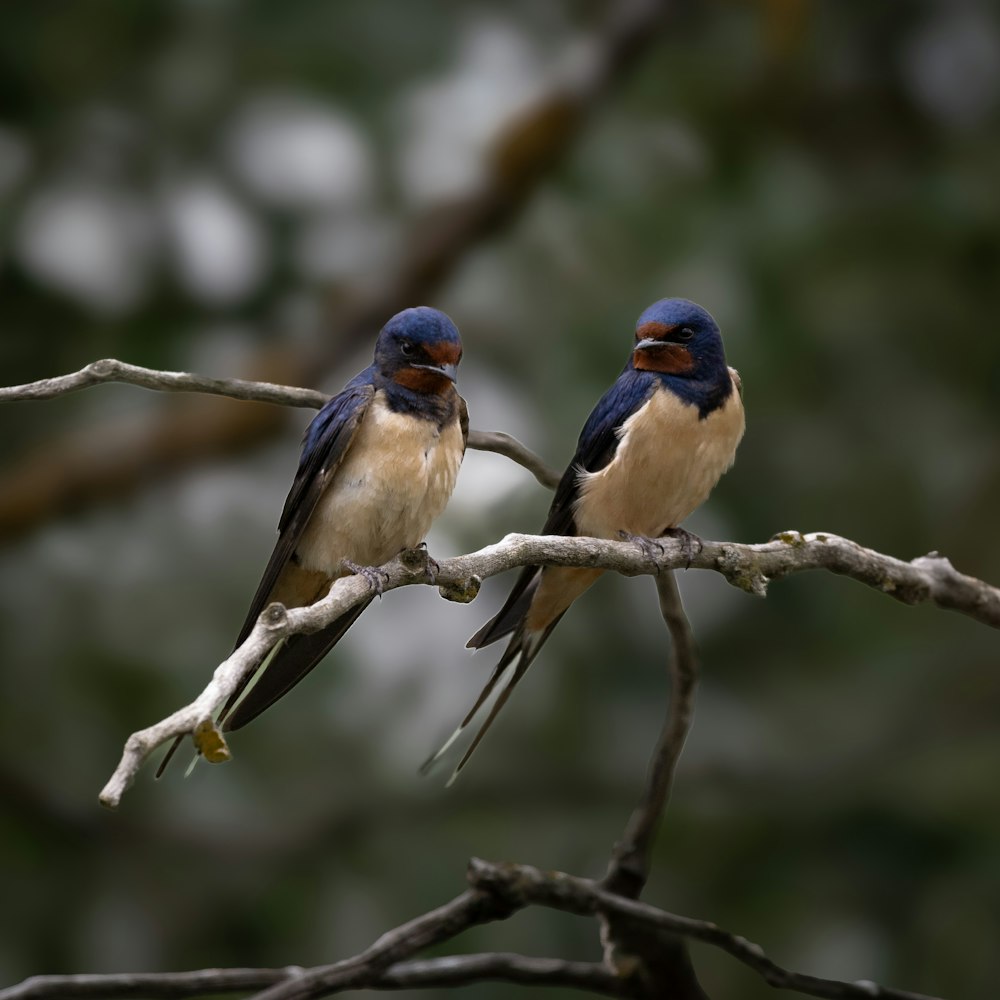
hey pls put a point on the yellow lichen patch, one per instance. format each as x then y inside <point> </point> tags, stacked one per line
<point>211,743</point>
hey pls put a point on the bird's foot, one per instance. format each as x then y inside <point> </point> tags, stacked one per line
<point>649,547</point>
<point>691,545</point>
<point>419,560</point>
<point>375,577</point>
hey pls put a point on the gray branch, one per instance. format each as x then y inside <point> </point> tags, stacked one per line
<point>930,578</point>
<point>450,970</point>
<point>659,961</point>
<point>629,868</point>
<point>496,892</point>
<point>523,885</point>
<point>112,370</point>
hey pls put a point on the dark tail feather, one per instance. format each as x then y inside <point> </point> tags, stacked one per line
<point>298,655</point>
<point>167,758</point>
<point>512,613</point>
<point>516,659</point>
<point>283,669</point>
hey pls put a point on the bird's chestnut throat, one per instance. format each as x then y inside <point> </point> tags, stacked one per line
<point>665,357</point>
<point>423,380</point>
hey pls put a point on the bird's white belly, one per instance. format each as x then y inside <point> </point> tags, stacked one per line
<point>394,481</point>
<point>666,464</point>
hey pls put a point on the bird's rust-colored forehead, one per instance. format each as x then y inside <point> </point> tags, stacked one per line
<point>655,330</point>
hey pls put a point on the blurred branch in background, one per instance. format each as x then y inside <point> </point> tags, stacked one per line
<point>72,472</point>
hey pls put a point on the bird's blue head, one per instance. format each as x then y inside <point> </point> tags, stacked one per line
<point>677,337</point>
<point>419,349</point>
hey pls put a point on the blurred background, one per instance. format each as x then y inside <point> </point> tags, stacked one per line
<point>244,188</point>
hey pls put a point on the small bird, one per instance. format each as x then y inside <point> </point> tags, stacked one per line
<point>650,453</point>
<point>378,464</point>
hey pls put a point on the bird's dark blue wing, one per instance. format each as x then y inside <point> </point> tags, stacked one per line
<point>327,440</point>
<point>595,448</point>
<point>597,444</point>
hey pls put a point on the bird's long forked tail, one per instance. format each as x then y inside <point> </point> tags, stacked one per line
<point>517,657</point>
<point>284,666</point>
<point>291,661</point>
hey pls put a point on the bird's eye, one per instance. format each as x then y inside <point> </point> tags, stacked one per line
<point>685,333</point>
<point>406,348</point>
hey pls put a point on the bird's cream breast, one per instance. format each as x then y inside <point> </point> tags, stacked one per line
<point>394,481</point>
<point>667,462</point>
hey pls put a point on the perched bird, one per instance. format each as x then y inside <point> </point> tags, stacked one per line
<point>378,465</point>
<point>649,454</point>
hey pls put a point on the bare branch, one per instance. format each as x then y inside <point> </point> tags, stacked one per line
<point>503,444</point>
<point>659,959</point>
<point>151,985</point>
<point>460,970</point>
<point>112,370</point>
<point>929,578</point>
<point>464,911</point>
<point>497,891</point>
<point>522,885</point>
<point>450,970</point>
<point>629,866</point>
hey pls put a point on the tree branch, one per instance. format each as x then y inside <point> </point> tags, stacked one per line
<point>930,578</point>
<point>470,908</point>
<point>630,859</point>
<point>112,370</point>
<point>448,971</point>
<point>522,885</point>
<point>496,892</point>
<point>460,970</point>
<point>659,960</point>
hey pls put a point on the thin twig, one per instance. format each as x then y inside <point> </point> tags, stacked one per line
<point>521,885</point>
<point>497,891</point>
<point>630,860</point>
<point>147,985</point>
<point>460,970</point>
<point>660,959</point>
<point>470,908</point>
<point>503,444</point>
<point>112,370</point>
<point>449,970</point>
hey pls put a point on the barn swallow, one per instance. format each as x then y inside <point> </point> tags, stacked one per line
<point>650,453</point>
<point>379,462</point>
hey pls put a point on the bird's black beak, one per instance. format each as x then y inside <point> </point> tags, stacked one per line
<point>648,342</point>
<point>449,371</point>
